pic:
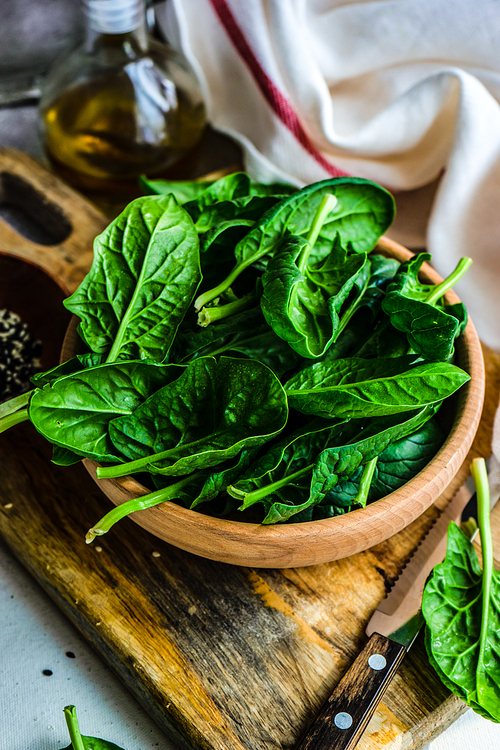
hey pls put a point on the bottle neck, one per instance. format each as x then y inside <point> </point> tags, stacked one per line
<point>115,23</point>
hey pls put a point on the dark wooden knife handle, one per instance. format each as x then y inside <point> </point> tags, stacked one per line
<point>344,716</point>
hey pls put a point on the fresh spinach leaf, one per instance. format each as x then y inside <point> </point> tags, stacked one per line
<point>413,309</point>
<point>209,414</point>
<point>356,387</point>
<point>74,411</point>
<point>303,304</point>
<point>287,482</point>
<point>64,456</point>
<point>286,458</point>
<point>75,364</point>
<point>246,333</point>
<point>341,461</point>
<point>362,214</point>
<point>222,476</point>
<point>396,465</point>
<point>145,272</point>
<point>182,191</point>
<point>461,608</point>
<point>81,742</point>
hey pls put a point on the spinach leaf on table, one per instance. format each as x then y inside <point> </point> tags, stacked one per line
<point>302,302</point>
<point>357,387</point>
<point>74,411</point>
<point>209,414</point>
<point>362,214</point>
<point>80,741</point>
<point>145,272</point>
<point>461,608</point>
<point>415,309</point>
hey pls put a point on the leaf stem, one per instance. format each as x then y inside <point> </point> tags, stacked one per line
<point>211,294</point>
<point>249,498</point>
<point>328,203</point>
<point>14,404</point>
<point>440,289</point>
<point>131,467</point>
<point>480,476</point>
<point>354,308</point>
<point>137,503</point>
<point>73,728</point>
<point>365,482</point>
<point>21,415</point>
<point>325,207</point>
<point>209,315</point>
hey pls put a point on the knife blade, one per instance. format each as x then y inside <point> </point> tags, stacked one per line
<point>392,628</point>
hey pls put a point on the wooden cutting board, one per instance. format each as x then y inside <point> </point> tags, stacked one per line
<point>224,658</point>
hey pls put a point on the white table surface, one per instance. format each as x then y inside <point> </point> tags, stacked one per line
<point>35,636</point>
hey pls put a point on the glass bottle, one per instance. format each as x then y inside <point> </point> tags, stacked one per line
<point>119,106</point>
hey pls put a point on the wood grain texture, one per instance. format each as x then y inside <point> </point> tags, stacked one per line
<point>312,543</point>
<point>48,208</point>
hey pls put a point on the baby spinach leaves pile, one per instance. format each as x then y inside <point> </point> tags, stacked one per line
<point>248,353</point>
<point>461,607</point>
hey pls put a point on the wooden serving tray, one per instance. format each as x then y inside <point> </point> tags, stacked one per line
<point>222,657</point>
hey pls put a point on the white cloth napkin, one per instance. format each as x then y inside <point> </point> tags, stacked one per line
<point>403,92</point>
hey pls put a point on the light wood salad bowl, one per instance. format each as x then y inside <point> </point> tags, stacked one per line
<point>314,542</point>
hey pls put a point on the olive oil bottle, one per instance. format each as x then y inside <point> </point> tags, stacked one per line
<point>119,106</point>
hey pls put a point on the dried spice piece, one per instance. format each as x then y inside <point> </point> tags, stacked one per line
<point>19,355</point>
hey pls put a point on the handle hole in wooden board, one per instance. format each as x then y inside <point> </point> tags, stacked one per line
<point>29,213</point>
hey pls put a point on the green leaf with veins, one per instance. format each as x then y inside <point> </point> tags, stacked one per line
<point>81,742</point>
<point>145,272</point>
<point>416,309</point>
<point>296,475</point>
<point>303,305</point>
<point>338,462</point>
<point>74,411</point>
<point>363,212</point>
<point>461,608</point>
<point>182,191</point>
<point>396,465</point>
<point>209,414</point>
<point>246,333</point>
<point>75,364</point>
<point>356,387</point>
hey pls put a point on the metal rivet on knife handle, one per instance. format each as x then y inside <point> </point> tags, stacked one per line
<point>355,698</point>
<point>342,720</point>
<point>377,662</point>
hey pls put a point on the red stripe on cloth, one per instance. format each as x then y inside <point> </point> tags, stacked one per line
<point>278,102</point>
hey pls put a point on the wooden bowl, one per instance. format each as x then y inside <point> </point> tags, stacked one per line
<point>314,542</point>
<point>36,296</point>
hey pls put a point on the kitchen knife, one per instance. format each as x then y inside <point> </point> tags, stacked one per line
<point>392,629</point>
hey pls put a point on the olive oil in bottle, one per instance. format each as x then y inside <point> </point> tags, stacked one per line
<point>120,106</point>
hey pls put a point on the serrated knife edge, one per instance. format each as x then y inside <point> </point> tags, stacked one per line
<point>404,599</point>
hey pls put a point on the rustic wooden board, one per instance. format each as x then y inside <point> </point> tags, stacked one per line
<point>49,223</point>
<point>224,658</point>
